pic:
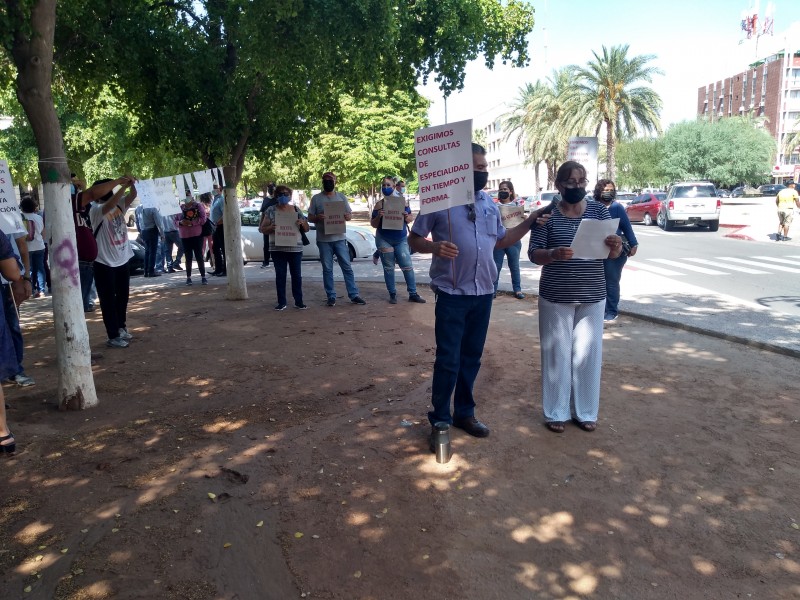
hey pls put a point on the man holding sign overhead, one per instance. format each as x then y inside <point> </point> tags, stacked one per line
<point>462,276</point>
<point>329,210</point>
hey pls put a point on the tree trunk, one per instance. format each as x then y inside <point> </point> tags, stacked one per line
<point>611,159</point>
<point>33,56</point>
<point>237,286</point>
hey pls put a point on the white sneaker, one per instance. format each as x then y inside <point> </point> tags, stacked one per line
<point>123,333</point>
<point>23,380</point>
<point>117,342</point>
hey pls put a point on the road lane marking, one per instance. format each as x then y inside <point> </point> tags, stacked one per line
<point>704,261</point>
<point>653,269</point>
<point>758,264</point>
<point>680,265</point>
<point>783,261</point>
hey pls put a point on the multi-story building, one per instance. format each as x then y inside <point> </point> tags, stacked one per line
<point>769,88</point>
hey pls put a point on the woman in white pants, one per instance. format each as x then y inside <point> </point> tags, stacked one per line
<point>572,295</point>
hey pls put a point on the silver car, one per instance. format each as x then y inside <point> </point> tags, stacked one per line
<point>360,240</point>
<point>690,203</point>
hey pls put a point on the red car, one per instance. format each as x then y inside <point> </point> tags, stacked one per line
<point>645,207</point>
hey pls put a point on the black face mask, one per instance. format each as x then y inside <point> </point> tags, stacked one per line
<point>608,196</point>
<point>480,178</point>
<point>503,195</point>
<point>573,195</point>
<point>328,185</point>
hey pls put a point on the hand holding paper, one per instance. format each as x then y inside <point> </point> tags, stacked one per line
<point>590,239</point>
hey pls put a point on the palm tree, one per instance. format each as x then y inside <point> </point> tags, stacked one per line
<point>605,94</point>
<point>537,118</point>
<point>790,144</point>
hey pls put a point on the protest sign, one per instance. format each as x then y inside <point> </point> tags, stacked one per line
<point>286,232</point>
<point>511,215</point>
<point>183,186</point>
<point>444,166</point>
<point>10,215</point>
<point>584,151</point>
<point>204,181</point>
<point>394,210</point>
<point>164,198</point>
<point>334,217</point>
<point>144,190</point>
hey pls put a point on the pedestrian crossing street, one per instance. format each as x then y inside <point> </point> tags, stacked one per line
<point>716,266</point>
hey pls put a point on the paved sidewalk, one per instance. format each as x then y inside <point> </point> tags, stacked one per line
<point>755,219</point>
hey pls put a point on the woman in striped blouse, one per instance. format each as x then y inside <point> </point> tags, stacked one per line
<point>572,295</point>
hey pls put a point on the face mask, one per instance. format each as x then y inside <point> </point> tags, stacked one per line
<point>479,179</point>
<point>387,191</point>
<point>503,195</point>
<point>573,195</point>
<point>402,190</point>
<point>283,199</point>
<point>608,196</point>
<point>328,185</point>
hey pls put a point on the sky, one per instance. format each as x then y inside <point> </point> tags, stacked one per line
<point>694,42</point>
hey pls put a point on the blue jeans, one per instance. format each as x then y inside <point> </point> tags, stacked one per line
<point>461,326</point>
<point>38,281</point>
<point>397,252</point>
<point>326,252</point>
<point>294,261</point>
<point>513,265</point>
<point>86,272</point>
<point>613,270</point>
<point>161,253</point>
<point>173,238</point>
<point>150,239</point>
<point>12,322</point>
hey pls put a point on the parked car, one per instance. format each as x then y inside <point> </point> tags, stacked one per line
<point>645,207</point>
<point>723,193</point>
<point>625,198</point>
<point>771,189</point>
<point>360,240</point>
<point>690,203</point>
<point>136,261</point>
<point>539,200</point>
<point>737,192</point>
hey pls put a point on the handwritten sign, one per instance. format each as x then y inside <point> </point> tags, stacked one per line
<point>10,215</point>
<point>444,166</point>
<point>394,210</point>
<point>511,215</point>
<point>166,202</point>
<point>204,181</point>
<point>183,186</point>
<point>286,232</point>
<point>334,217</point>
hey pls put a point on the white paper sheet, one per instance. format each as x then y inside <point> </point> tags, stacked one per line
<point>589,240</point>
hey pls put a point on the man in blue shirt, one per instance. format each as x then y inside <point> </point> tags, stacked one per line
<point>217,212</point>
<point>462,277</point>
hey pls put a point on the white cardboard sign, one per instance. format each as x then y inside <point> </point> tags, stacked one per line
<point>204,181</point>
<point>444,166</point>
<point>511,215</point>
<point>286,231</point>
<point>10,214</point>
<point>165,199</point>
<point>334,217</point>
<point>394,210</point>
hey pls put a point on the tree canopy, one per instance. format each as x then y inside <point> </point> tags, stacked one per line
<point>728,151</point>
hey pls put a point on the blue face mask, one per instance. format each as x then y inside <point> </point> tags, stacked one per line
<point>387,191</point>
<point>284,200</point>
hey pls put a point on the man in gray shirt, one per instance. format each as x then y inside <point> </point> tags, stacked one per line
<point>336,243</point>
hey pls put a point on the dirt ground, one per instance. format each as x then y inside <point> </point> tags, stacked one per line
<point>309,428</point>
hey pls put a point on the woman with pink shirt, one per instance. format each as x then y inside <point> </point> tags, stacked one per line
<point>190,227</point>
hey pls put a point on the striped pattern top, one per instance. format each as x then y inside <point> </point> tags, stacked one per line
<point>575,280</point>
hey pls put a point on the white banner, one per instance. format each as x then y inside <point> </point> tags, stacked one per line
<point>183,183</point>
<point>204,181</point>
<point>444,166</point>
<point>584,151</point>
<point>10,215</point>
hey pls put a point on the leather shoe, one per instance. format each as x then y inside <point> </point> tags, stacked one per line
<point>472,426</point>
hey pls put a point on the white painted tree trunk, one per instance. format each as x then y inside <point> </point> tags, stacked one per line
<point>232,221</point>
<point>75,381</point>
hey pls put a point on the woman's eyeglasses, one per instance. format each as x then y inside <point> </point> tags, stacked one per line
<point>571,183</point>
<point>471,212</point>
